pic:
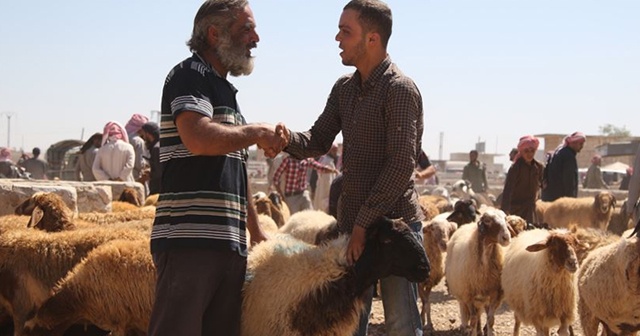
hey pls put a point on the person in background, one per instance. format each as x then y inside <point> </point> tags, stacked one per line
<point>87,154</point>
<point>36,166</point>
<point>133,126</point>
<point>560,176</point>
<point>523,181</point>
<point>633,198</point>
<point>296,192</point>
<point>594,179</point>
<point>198,238</point>
<point>512,155</point>
<point>378,109</point>
<point>7,168</point>
<point>425,171</point>
<point>476,173</point>
<point>323,184</point>
<point>150,132</point>
<point>624,184</point>
<point>114,160</point>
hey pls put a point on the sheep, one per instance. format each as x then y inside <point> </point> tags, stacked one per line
<point>591,239</point>
<point>473,266</point>
<point>593,212</point>
<point>32,261</point>
<point>539,280</point>
<point>620,220</point>
<point>429,208</point>
<point>541,207</point>
<point>462,189</point>
<point>48,212</point>
<point>265,206</point>
<point>277,199</point>
<point>442,203</point>
<point>436,236</point>
<point>516,224</point>
<point>94,292</point>
<point>151,200</point>
<point>294,288</point>
<point>130,195</point>
<point>267,224</point>
<point>306,225</point>
<point>464,211</point>
<point>609,287</point>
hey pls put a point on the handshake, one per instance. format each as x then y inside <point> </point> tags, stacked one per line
<point>273,139</point>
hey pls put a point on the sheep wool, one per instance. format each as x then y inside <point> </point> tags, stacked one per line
<point>609,285</point>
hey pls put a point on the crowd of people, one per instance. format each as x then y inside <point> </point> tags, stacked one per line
<point>197,163</point>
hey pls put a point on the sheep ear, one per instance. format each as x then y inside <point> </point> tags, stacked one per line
<point>539,246</point>
<point>512,232</point>
<point>36,217</point>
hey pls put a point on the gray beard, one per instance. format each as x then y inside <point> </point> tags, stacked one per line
<point>233,56</point>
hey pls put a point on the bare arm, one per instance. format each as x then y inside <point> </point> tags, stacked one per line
<point>202,136</point>
<point>257,235</point>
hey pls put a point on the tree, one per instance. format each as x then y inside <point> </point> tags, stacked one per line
<point>610,130</point>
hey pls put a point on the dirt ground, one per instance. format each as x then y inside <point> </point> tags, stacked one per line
<point>446,320</point>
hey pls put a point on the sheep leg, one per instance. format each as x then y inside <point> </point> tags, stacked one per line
<point>563,330</point>
<point>516,326</point>
<point>425,312</point>
<point>491,310</point>
<point>474,321</point>
<point>587,320</point>
<point>464,314</point>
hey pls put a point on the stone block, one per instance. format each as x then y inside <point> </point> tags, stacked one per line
<point>12,194</point>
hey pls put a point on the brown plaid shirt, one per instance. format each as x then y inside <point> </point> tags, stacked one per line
<point>381,122</point>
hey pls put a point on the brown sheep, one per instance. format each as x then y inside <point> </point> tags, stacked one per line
<point>541,207</point>
<point>266,207</point>
<point>32,262</point>
<point>516,224</point>
<point>130,195</point>
<point>436,236</point>
<point>591,239</point>
<point>593,212</point>
<point>93,291</point>
<point>48,212</point>
<point>429,209</point>
<point>441,202</point>
<point>620,220</point>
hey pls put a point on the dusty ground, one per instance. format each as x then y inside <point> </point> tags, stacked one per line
<point>445,317</point>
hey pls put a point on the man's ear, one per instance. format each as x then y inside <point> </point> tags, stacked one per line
<point>373,38</point>
<point>212,35</point>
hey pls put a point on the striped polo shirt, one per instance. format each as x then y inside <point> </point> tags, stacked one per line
<point>203,199</point>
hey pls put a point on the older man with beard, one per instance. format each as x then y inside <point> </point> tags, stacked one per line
<point>198,240</point>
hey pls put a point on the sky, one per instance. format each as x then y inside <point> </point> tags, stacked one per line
<point>488,70</point>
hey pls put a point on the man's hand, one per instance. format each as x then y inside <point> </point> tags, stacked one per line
<point>356,244</point>
<point>272,141</point>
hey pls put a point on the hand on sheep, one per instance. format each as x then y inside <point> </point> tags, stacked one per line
<point>356,244</point>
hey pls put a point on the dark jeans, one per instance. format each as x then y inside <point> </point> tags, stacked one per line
<point>198,292</point>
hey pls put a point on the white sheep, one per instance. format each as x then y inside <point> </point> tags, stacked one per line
<point>112,288</point>
<point>306,225</point>
<point>294,288</point>
<point>436,236</point>
<point>609,287</point>
<point>473,266</point>
<point>539,280</point>
<point>593,212</point>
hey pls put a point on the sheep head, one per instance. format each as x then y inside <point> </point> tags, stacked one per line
<point>438,231</point>
<point>464,211</point>
<point>493,227</point>
<point>604,202</point>
<point>392,249</point>
<point>516,224</point>
<point>561,246</point>
<point>48,212</point>
<point>130,195</point>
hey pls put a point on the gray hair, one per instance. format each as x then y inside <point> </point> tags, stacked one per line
<point>218,13</point>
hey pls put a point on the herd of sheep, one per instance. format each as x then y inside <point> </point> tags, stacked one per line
<point>58,270</point>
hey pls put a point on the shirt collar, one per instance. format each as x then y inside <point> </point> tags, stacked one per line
<point>375,75</point>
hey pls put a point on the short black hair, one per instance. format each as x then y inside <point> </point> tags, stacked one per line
<point>375,16</point>
<point>36,151</point>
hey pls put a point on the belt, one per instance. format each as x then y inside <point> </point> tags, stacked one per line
<point>294,193</point>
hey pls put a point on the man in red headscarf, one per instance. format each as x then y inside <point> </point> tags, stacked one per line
<point>523,181</point>
<point>561,177</point>
<point>594,179</point>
